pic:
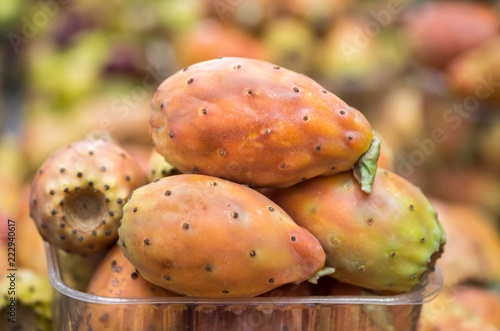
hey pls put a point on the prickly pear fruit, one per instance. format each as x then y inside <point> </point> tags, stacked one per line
<point>472,244</point>
<point>33,300</point>
<point>254,123</point>
<point>462,308</point>
<point>31,254</point>
<point>438,31</point>
<point>158,167</point>
<point>116,277</point>
<point>204,236</point>
<point>77,195</point>
<point>384,241</point>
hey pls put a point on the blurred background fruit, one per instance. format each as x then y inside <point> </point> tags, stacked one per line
<point>472,244</point>
<point>426,74</point>
<point>477,71</point>
<point>462,308</point>
<point>209,39</point>
<point>440,30</point>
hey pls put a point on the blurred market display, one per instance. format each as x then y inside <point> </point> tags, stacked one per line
<point>425,73</point>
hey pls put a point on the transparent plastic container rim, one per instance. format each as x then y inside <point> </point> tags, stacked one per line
<point>427,292</point>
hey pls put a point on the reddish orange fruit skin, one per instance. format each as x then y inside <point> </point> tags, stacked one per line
<point>255,123</point>
<point>116,277</point>
<point>204,236</point>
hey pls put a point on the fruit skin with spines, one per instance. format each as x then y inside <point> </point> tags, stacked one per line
<point>255,123</point>
<point>158,167</point>
<point>33,297</point>
<point>383,241</point>
<point>200,235</point>
<point>116,277</point>
<point>77,195</point>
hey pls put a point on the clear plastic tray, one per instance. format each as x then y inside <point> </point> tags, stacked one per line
<point>73,309</point>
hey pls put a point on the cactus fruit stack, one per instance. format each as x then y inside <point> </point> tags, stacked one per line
<point>229,130</point>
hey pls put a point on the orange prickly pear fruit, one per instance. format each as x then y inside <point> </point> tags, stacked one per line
<point>383,241</point>
<point>203,236</point>
<point>116,277</point>
<point>255,123</point>
<point>77,195</point>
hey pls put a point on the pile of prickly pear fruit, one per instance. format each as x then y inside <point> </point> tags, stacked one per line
<point>277,183</point>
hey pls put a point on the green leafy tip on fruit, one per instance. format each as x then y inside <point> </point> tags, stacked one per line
<point>366,166</point>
